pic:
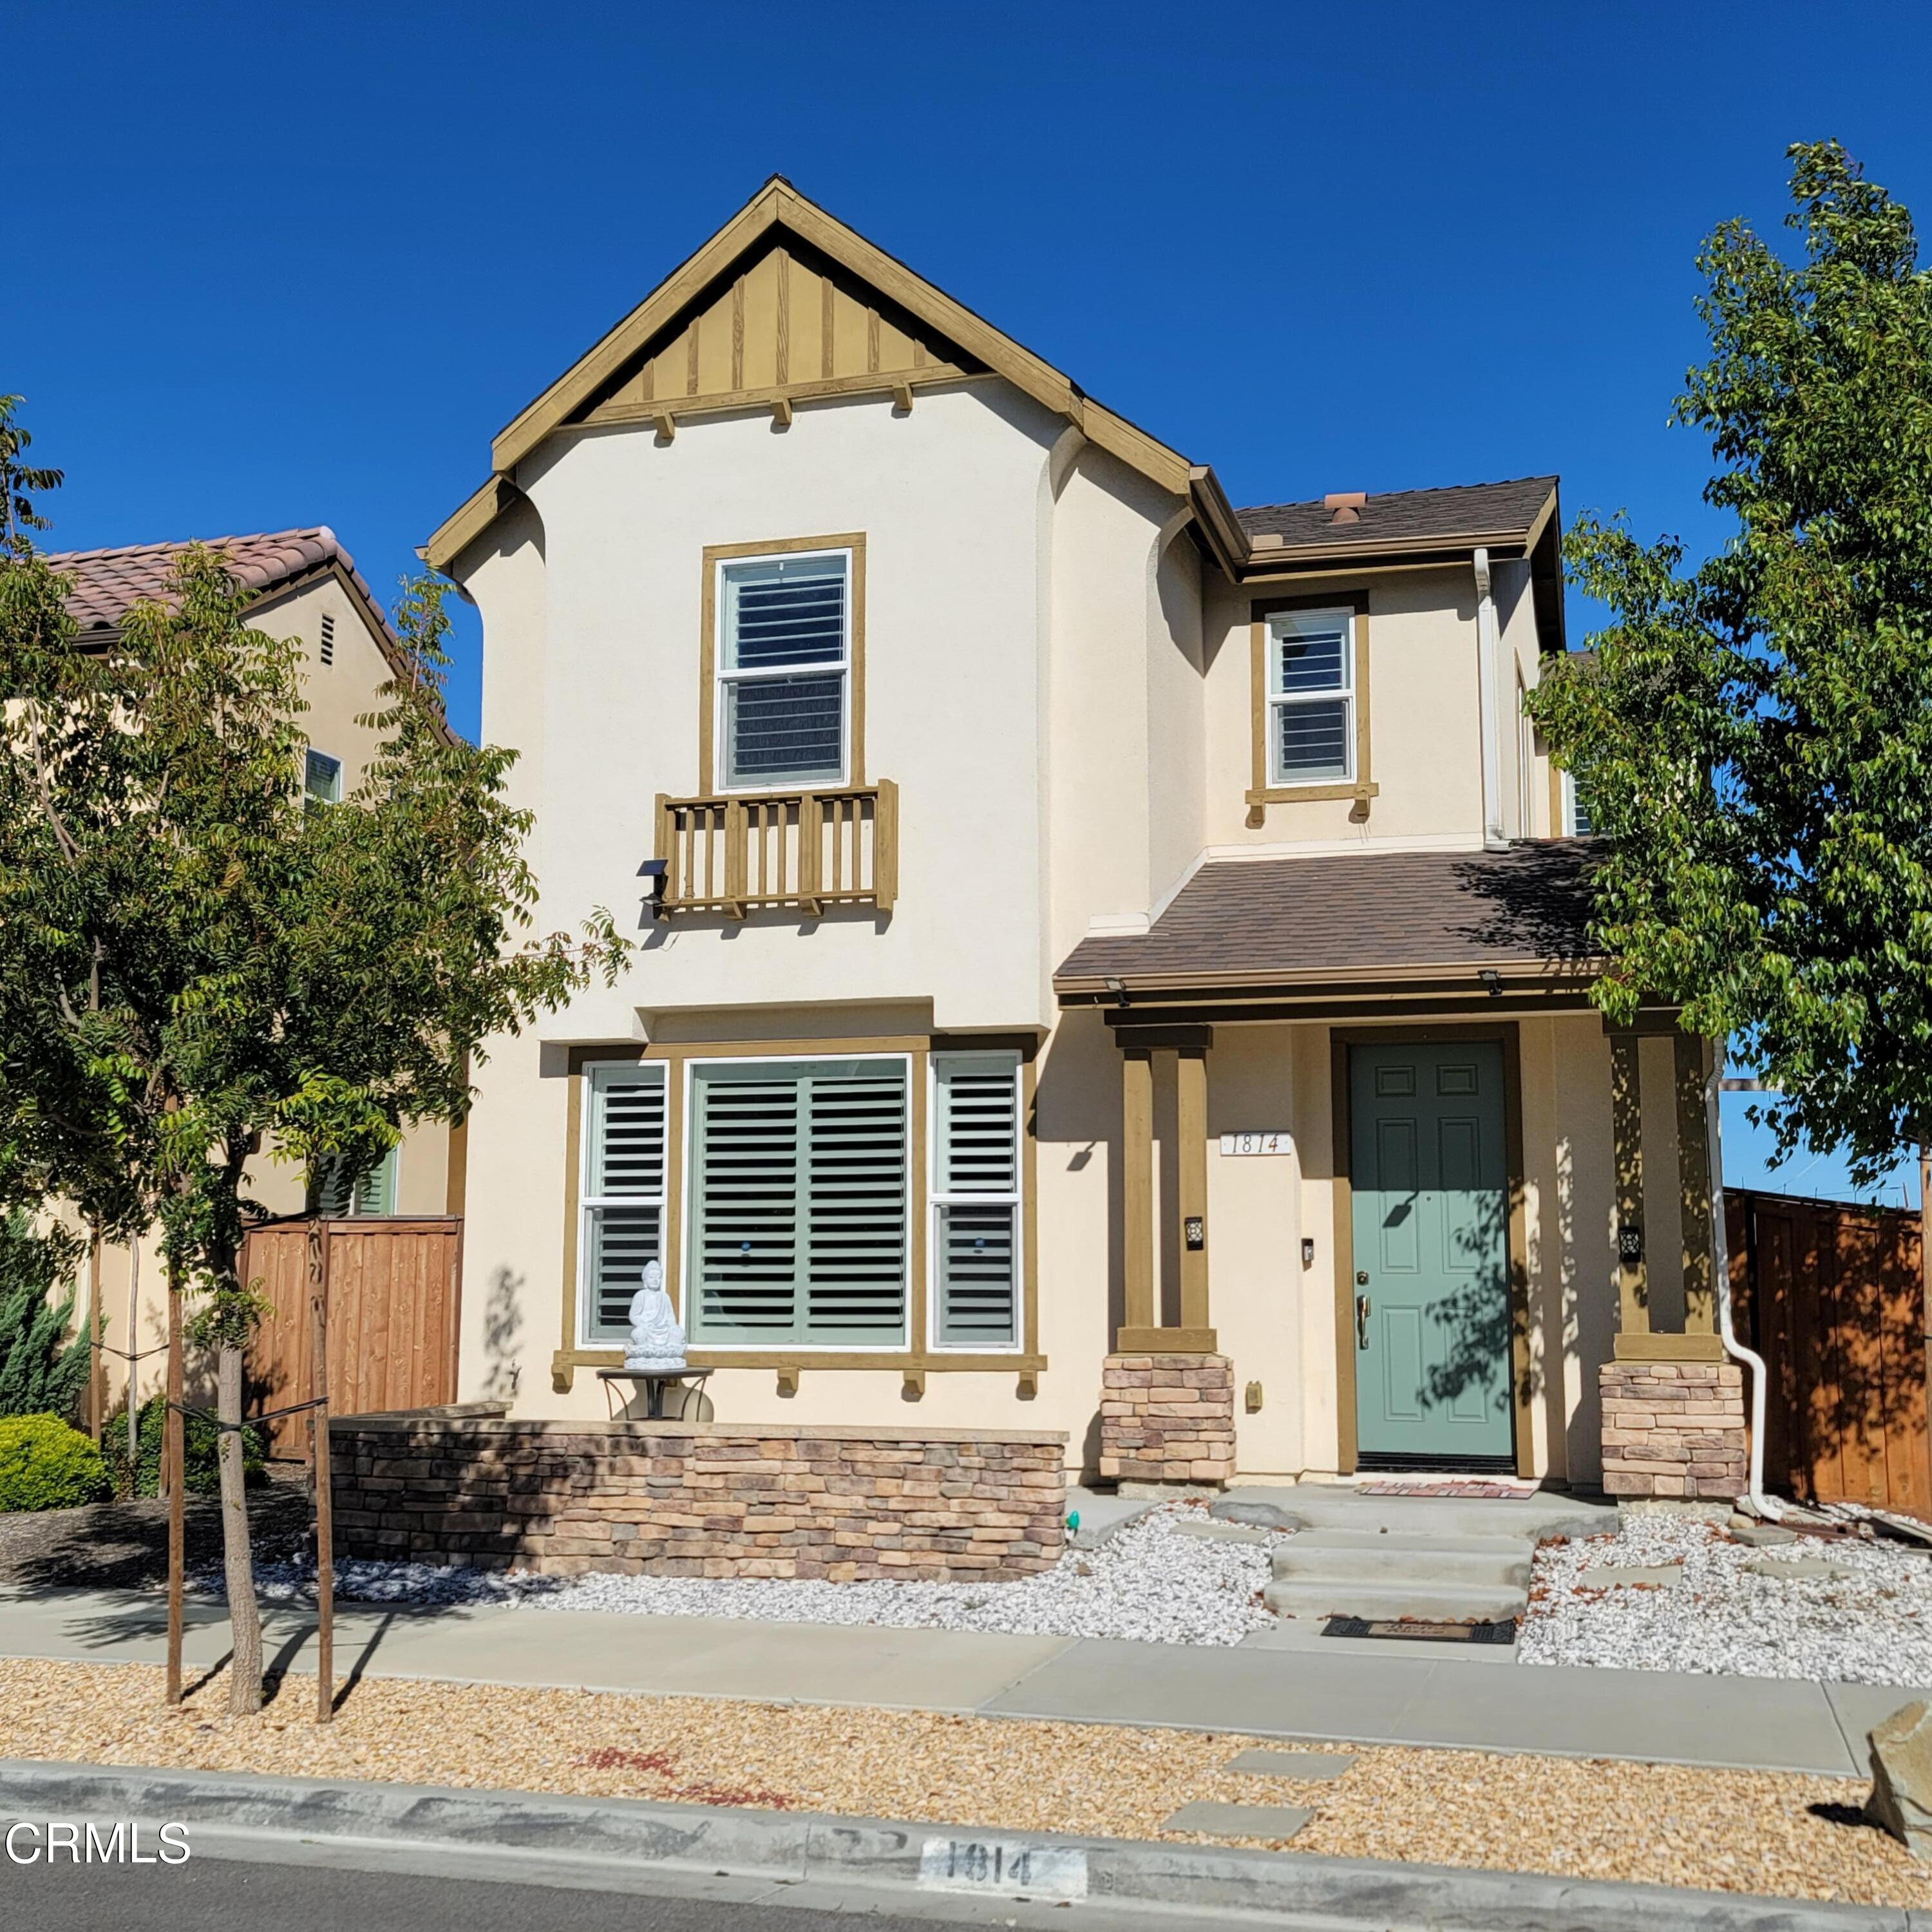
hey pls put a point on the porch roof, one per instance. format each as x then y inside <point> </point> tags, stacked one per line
<point>1354,919</point>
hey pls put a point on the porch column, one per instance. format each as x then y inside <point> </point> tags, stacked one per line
<point>1191,1110</point>
<point>1137,1188</point>
<point>1626,1138</point>
<point>1167,1399</point>
<point>1694,1169</point>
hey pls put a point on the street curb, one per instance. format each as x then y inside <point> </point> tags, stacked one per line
<point>696,1841</point>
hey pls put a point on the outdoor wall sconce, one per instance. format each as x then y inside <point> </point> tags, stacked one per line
<point>1308,1251</point>
<point>1195,1230</point>
<point>652,871</point>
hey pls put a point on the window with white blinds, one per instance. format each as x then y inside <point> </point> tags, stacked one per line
<point>622,1192</point>
<point>976,1200</point>
<point>1311,696</point>
<point>799,1203</point>
<point>784,662</point>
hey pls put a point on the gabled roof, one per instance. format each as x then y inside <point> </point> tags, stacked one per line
<point>1355,917</point>
<point>786,303</point>
<point>107,584</point>
<point>1465,514</point>
<point>779,220</point>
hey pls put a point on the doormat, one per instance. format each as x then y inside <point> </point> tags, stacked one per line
<point>1488,1488</point>
<point>1419,1632</point>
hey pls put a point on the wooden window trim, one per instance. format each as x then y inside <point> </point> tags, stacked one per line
<point>1361,787</point>
<point>918,1356</point>
<point>714,554</point>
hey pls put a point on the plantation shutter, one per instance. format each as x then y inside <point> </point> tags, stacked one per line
<point>976,1195</point>
<point>800,1202</point>
<point>375,1193</point>
<point>623,1192</point>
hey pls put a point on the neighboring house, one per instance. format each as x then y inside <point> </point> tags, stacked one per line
<point>1088,930</point>
<point>306,589</point>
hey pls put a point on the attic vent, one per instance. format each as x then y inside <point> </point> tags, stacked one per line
<point>1346,505</point>
<point>328,653</point>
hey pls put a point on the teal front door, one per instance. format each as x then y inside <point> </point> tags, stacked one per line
<point>1431,1289</point>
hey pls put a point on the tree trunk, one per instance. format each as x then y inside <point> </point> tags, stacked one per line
<point>245,1617</point>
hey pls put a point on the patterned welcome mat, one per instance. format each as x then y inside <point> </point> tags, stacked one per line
<point>1497,1487</point>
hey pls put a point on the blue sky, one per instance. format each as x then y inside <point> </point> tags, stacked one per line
<point>271,266</point>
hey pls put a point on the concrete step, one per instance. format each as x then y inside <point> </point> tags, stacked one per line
<point>1338,1506</point>
<point>1432,1603</point>
<point>1402,1557</point>
<point>1396,1573</point>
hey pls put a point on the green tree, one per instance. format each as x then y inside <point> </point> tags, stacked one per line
<point>1754,736</point>
<point>201,963</point>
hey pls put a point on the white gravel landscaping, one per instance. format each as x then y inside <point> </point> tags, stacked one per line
<point>1148,1582</point>
<point>1873,1626</point>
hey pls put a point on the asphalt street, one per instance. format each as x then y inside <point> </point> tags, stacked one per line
<point>215,1895</point>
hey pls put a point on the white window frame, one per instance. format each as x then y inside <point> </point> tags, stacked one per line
<point>1288,623</point>
<point>936,1198</point>
<point>688,1214</point>
<point>723,678</point>
<point>593,1073</point>
<point>1569,830</point>
<point>334,796</point>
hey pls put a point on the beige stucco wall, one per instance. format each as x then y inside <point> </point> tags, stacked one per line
<point>1061,689</point>
<point>1424,721</point>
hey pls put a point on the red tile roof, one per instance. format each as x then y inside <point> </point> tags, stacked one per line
<point>107,582</point>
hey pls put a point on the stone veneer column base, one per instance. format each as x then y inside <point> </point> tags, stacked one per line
<point>1674,1430</point>
<point>1167,1420</point>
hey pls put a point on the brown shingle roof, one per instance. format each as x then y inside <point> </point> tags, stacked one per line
<point>1350,916</point>
<point>1464,513</point>
<point>108,582</point>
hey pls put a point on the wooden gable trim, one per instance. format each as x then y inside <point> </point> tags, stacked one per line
<point>778,205</point>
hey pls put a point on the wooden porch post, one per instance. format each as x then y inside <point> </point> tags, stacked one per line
<point>1191,1110</point>
<point>1694,1169</point>
<point>1137,1188</point>
<point>1627,1133</point>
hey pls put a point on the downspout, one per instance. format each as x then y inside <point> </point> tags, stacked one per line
<point>1759,1504</point>
<point>1493,839</point>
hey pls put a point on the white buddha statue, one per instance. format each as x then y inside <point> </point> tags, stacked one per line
<point>657,1340</point>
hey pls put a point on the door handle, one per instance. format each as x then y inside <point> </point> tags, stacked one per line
<point>1361,1322</point>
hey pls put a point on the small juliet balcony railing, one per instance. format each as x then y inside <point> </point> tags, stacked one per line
<point>808,849</point>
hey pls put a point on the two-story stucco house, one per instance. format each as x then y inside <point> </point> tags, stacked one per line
<point>1108,959</point>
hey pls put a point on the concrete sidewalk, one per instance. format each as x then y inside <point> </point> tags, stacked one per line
<point>1444,1696</point>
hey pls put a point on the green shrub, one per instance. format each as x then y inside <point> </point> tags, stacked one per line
<point>45,1465</point>
<point>200,1442</point>
<point>43,1366</point>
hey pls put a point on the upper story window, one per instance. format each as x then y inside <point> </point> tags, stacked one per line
<point>322,778</point>
<point>1311,701</point>
<point>1311,696</point>
<point>1576,809</point>
<point>783,671</point>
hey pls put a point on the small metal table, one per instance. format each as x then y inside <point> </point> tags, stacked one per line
<point>654,1382</point>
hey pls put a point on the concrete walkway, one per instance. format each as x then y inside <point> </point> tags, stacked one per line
<point>1445,1695</point>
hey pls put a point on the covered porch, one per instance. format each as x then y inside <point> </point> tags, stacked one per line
<point>1483,1243</point>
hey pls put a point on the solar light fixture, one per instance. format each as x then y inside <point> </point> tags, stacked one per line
<point>1493,980</point>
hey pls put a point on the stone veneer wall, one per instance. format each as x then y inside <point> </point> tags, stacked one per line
<point>1167,1418</point>
<point>1675,1429</point>
<point>699,1499</point>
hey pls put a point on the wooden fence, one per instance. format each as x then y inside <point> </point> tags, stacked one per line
<point>1833,1296</point>
<point>392,1317</point>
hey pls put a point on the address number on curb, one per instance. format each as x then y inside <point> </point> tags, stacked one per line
<point>1007,1865</point>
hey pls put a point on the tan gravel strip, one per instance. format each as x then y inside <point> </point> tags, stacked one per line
<point>1749,1831</point>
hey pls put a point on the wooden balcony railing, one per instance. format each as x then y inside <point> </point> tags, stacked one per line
<point>809,849</point>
